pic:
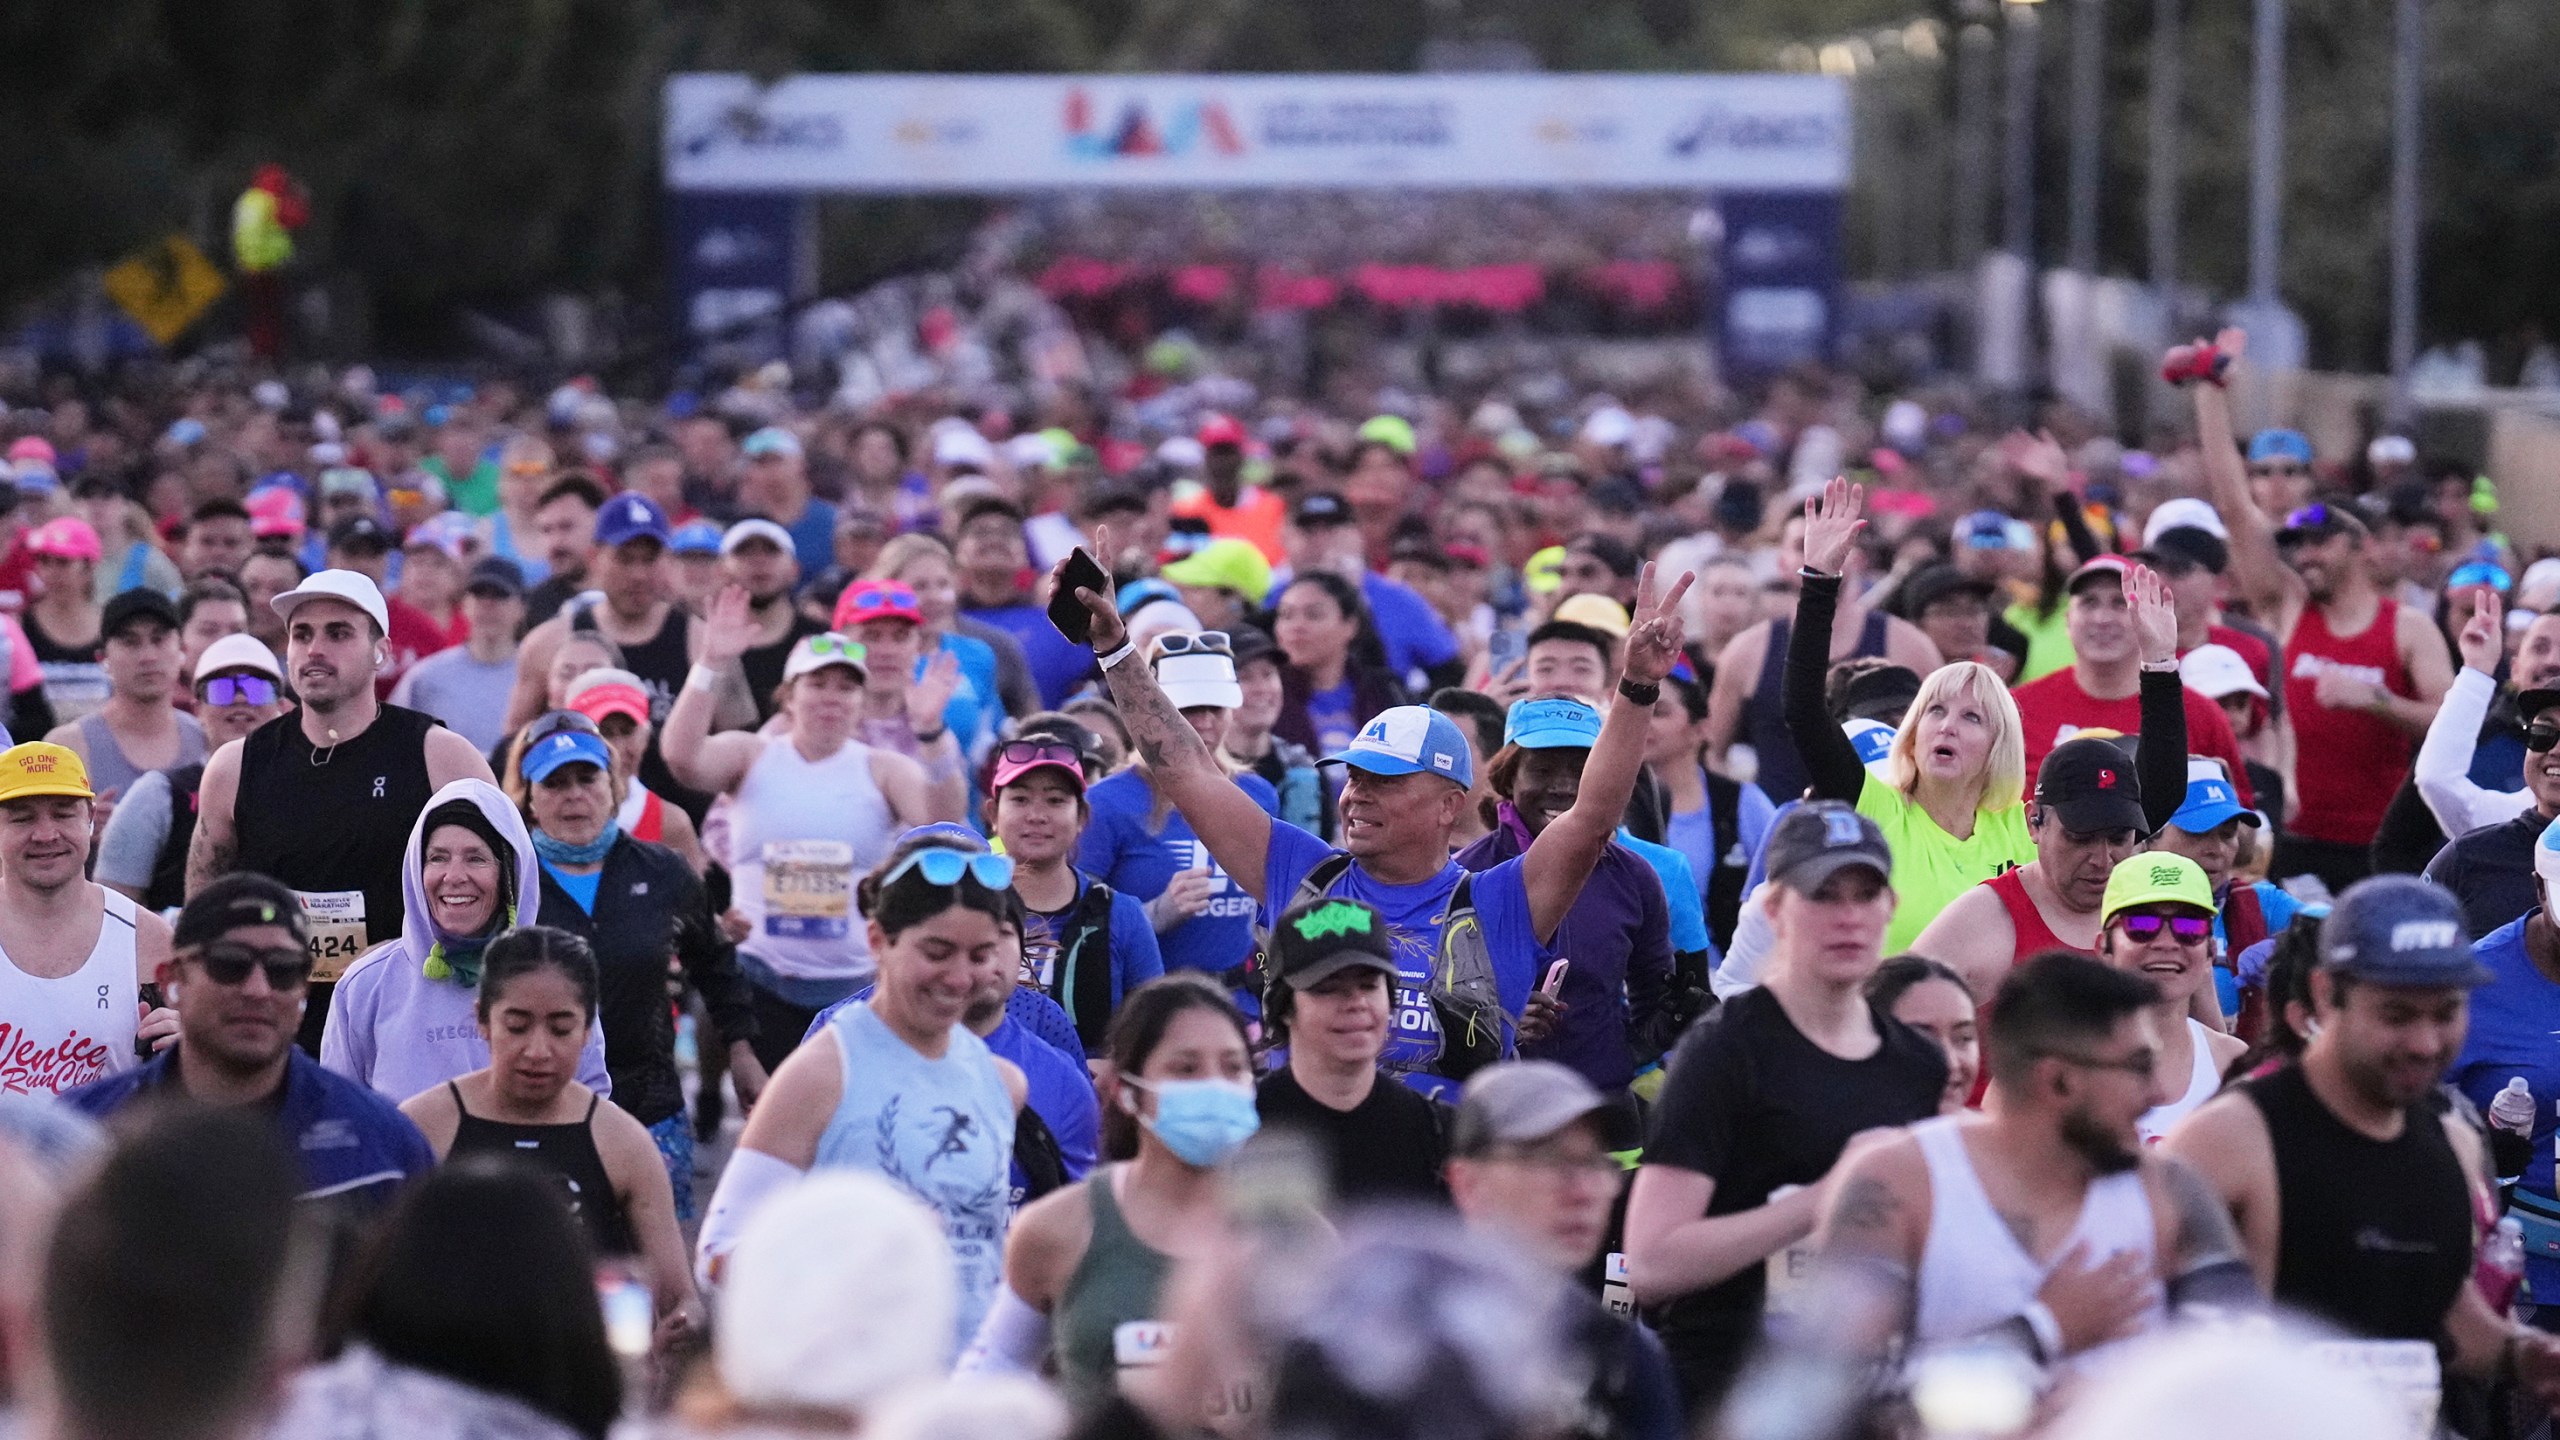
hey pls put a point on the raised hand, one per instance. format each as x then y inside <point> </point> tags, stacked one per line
<point>2232,341</point>
<point>729,631</point>
<point>1108,633</point>
<point>2484,635</point>
<point>1831,525</point>
<point>1653,640</point>
<point>2039,457</point>
<point>2155,616</point>
<point>927,698</point>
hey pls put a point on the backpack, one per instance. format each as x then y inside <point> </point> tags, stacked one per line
<point>1080,978</point>
<point>1726,882</point>
<point>1475,1031</point>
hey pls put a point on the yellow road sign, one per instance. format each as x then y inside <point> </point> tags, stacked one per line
<point>165,287</point>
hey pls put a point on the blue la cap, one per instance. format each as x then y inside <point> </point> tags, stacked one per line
<point>695,537</point>
<point>1556,722</point>
<point>2269,445</point>
<point>2402,930</point>
<point>630,516</point>
<point>564,747</point>
<point>1411,740</point>
<point>2211,801</point>
<point>1138,594</point>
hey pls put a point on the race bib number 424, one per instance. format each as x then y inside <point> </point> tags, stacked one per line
<point>336,923</point>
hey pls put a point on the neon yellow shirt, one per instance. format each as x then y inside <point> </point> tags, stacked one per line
<point>2048,640</point>
<point>1932,867</point>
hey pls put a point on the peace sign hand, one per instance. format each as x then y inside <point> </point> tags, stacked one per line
<point>1831,525</point>
<point>1653,640</point>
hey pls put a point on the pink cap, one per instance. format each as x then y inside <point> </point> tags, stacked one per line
<point>275,511</point>
<point>66,537</point>
<point>1220,430</point>
<point>2115,565</point>
<point>32,447</point>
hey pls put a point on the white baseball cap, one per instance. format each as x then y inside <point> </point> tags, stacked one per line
<point>2188,512</point>
<point>839,1292</point>
<point>758,528</point>
<point>344,586</point>
<point>817,652</point>
<point>2214,671</point>
<point>239,652</point>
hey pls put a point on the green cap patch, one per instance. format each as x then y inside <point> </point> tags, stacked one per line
<point>1336,918</point>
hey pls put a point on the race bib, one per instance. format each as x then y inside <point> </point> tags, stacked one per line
<point>1140,1344</point>
<point>1229,1409</point>
<point>1788,1271</point>
<point>335,922</point>
<point>1617,1293</point>
<point>808,889</point>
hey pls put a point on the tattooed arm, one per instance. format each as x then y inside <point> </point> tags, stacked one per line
<point>216,843</point>
<point>1869,1237</point>
<point>1236,830</point>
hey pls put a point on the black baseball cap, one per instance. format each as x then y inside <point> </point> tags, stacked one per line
<point>1932,583</point>
<point>235,902</point>
<point>2090,785</point>
<point>2320,520</point>
<point>2181,548</point>
<point>1318,939</point>
<point>496,574</point>
<point>1882,692</point>
<point>1319,508</point>
<point>360,532</point>
<point>2531,703</point>
<point>1251,642</point>
<point>988,505</point>
<point>139,603</point>
<point>1819,839</point>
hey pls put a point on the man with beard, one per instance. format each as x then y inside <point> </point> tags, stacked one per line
<point>2087,816</point>
<point>757,556</point>
<point>2363,674</point>
<point>2041,1222</point>
<point>2353,1193</point>
<point>238,970</point>
<point>323,797</point>
<point>140,729</point>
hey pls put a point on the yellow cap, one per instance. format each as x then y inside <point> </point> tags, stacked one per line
<point>38,768</point>
<point>2152,878</point>
<point>1225,563</point>
<point>1597,611</point>
<point>1544,572</point>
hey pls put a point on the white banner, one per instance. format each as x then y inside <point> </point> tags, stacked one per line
<point>998,133</point>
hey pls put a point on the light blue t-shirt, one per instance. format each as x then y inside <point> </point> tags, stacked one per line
<point>941,1130</point>
<point>581,888</point>
<point>1693,834</point>
<point>1680,890</point>
<point>1118,850</point>
<point>1415,916</point>
<point>974,712</point>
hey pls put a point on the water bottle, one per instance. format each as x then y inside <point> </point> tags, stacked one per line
<point>2512,1109</point>
<point>2500,1271</point>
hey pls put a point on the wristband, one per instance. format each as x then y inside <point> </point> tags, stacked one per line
<point>1127,649</point>
<point>1641,694</point>
<point>1809,573</point>
<point>2160,667</point>
<point>2046,1329</point>
<point>702,677</point>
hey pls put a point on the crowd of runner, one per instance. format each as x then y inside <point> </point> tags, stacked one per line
<point>1144,917</point>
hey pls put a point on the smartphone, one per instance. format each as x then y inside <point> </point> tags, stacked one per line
<point>1065,610</point>
<point>1553,985</point>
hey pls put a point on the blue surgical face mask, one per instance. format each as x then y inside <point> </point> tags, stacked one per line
<point>1201,1121</point>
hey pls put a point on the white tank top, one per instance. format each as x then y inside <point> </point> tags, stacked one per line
<point>1973,1275</point>
<point>55,1034</point>
<point>800,834</point>
<point>2204,1081</point>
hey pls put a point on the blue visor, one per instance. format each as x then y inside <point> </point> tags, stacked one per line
<point>1555,723</point>
<point>564,747</point>
<point>2480,572</point>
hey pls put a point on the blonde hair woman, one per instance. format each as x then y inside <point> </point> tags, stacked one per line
<point>1952,798</point>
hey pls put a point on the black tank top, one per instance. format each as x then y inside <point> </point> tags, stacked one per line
<point>568,1152</point>
<point>1764,727</point>
<point>661,662</point>
<point>2376,1235</point>
<point>168,888</point>
<point>341,824</point>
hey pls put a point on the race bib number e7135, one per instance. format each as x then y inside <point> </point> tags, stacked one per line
<point>808,889</point>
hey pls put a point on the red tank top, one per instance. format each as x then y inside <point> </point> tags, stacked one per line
<point>653,819</point>
<point>2034,938</point>
<point>2352,762</point>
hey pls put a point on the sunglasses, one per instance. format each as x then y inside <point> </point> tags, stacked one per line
<point>225,963</point>
<point>832,646</point>
<point>1186,642</point>
<point>944,866</point>
<point>2539,738</point>
<point>1040,752</point>
<point>546,725</point>
<point>2143,926</point>
<point>875,594</point>
<point>224,690</point>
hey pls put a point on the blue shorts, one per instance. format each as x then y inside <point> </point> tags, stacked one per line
<point>675,1146</point>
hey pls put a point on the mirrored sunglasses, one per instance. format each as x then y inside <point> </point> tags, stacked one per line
<point>943,866</point>
<point>224,690</point>
<point>2142,927</point>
